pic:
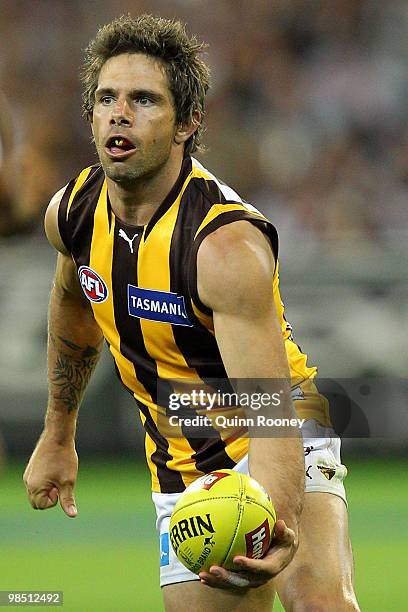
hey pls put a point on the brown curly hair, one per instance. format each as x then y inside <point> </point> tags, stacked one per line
<point>164,39</point>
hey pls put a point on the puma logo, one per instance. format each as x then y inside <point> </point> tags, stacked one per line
<point>123,235</point>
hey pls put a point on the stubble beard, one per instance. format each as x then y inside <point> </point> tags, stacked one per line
<point>122,174</point>
<point>127,173</point>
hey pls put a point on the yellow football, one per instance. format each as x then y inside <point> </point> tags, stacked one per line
<point>221,515</point>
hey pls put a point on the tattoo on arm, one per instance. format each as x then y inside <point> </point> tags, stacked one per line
<point>71,372</point>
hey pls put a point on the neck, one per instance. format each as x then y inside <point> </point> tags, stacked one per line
<point>136,203</point>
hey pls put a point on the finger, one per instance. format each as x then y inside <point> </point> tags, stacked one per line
<point>236,579</point>
<point>279,555</point>
<point>67,500</point>
<point>258,567</point>
<point>44,499</point>
<point>212,581</point>
<point>53,496</point>
<point>216,575</point>
<point>245,580</point>
<point>282,533</point>
<point>269,566</point>
<point>220,578</point>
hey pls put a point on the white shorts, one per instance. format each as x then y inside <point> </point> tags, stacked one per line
<point>324,473</point>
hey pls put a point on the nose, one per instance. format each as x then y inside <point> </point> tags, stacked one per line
<point>121,114</point>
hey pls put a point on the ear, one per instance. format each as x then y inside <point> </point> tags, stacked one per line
<point>185,130</point>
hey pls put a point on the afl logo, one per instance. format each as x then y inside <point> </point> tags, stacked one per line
<point>92,285</point>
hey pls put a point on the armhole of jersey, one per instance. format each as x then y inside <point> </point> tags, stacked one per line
<point>224,219</point>
<point>62,215</point>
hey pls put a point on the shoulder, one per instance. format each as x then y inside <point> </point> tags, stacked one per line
<point>51,222</point>
<point>224,206</point>
<point>234,241</point>
<point>71,197</point>
<point>234,262</point>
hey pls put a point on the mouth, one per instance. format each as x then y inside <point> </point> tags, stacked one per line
<point>119,147</point>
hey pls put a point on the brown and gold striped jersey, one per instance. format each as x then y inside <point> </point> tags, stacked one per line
<point>141,282</point>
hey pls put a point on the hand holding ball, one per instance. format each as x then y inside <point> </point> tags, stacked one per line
<point>219,516</point>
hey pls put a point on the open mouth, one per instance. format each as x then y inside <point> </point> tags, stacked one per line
<point>119,147</point>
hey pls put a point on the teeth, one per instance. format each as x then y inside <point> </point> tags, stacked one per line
<point>119,142</point>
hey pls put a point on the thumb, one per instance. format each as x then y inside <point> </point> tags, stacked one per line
<point>67,500</point>
<point>282,533</point>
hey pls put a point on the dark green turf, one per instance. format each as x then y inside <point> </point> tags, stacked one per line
<point>107,558</point>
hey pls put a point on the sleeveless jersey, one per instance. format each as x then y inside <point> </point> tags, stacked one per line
<point>141,282</point>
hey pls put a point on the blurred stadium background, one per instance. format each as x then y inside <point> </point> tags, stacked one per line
<point>308,120</point>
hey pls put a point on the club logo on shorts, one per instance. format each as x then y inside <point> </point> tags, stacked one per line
<point>297,394</point>
<point>164,549</point>
<point>92,285</point>
<point>154,305</point>
<point>210,479</point>
<point>257,541</point>
<point>327,472</point>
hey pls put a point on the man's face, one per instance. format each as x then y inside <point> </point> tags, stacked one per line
<point>133,118</point>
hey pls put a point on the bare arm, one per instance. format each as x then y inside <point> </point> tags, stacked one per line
<point>234,270</point>
<point>74,347</point>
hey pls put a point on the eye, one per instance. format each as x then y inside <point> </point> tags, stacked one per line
<point>144,100</point>
<point>106,100</point>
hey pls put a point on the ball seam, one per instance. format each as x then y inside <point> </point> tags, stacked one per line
<point>239,521</point>
<point>210,499</point>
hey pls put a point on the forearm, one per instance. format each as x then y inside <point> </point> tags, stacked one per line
<point>276,453</point>
<point>74,347</point>
<point>279,465</point>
